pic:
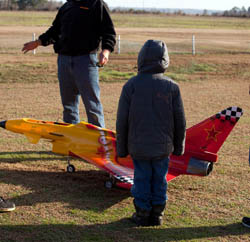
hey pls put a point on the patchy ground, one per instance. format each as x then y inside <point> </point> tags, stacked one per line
<point>55,206</point>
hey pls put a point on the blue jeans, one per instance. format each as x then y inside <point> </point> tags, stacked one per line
<point>78,76</point>
<point>150,184</point>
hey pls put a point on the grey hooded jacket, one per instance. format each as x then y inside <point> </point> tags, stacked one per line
<point>150,119</point>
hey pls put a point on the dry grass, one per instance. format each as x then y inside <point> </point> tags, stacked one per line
<point>55,206</point>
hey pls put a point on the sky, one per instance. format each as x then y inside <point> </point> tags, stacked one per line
<point>193,4</point>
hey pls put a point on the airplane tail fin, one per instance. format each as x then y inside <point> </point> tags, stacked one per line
<point>210,134</point>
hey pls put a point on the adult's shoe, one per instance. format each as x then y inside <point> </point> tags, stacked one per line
<point>6,206</point>
<point>246,222</point>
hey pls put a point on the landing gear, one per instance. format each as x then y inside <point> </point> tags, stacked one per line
<point>110,183</point>
<point>70,168</point>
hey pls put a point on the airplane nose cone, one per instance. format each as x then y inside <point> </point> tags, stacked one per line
<point>2,124</point>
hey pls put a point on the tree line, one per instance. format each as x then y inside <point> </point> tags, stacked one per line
<point>237,12</point>
<point>48,5</point>
<point>234,12</point>
<point>51,5</point>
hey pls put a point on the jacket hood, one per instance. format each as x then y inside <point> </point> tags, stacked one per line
<point>153,57</point>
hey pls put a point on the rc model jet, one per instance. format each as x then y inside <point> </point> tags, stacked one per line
<point>98,146</point>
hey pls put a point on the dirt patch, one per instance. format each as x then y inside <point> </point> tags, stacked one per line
<point>52,205</point>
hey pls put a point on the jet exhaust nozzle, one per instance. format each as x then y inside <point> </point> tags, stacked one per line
<point>199,167</point>
<point>2,124</point>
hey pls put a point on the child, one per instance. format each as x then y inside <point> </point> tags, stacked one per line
<point>150,126</point>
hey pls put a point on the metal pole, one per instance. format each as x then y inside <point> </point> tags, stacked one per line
<point>34,38</point>
<point>193,44</point>
<point>119,44</point>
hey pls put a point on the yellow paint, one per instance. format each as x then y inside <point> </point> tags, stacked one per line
<point>87,141</point>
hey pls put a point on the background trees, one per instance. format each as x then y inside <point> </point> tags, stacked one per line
<point>29,4</point>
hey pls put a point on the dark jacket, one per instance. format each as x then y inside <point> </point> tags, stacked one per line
<point>150,119</point>
<point>79,27</point>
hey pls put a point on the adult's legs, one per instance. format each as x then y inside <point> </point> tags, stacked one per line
<point>68,90</point>
<point>87,80</point>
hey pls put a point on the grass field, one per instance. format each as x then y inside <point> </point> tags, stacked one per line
<point>55,206</point>
<point>9,18</point>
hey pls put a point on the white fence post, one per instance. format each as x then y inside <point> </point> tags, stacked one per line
<point>119,44</point>
<point>34,38</point>
<point>193,44</point>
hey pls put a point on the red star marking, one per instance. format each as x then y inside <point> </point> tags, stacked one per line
<point>212,133</point>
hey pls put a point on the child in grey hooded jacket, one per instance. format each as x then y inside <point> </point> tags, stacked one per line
<point>150,126</point>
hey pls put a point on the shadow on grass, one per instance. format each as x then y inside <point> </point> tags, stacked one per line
<point>122,230</point>
<point>81,190</point>
<point>15,157</point>
<point>85,190</point>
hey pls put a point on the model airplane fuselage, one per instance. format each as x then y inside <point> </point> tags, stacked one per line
<point>98,146</point>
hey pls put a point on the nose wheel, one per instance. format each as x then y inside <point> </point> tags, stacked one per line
<point>70,168</point>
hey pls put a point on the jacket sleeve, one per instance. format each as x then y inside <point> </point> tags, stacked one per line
<point>52,34</point>
<point>108,33</point>
<point>122,123</point>
<point>179,123</point>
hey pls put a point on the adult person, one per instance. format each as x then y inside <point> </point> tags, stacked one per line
<point>150,126</point>
<point>76,33</point>
<point>6,206</point>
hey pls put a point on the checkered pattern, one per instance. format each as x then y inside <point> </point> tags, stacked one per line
<point>232,114</point>
<point>125,179</point>
<point>121,173</point>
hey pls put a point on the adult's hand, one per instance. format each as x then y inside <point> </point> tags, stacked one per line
<point>31,45</point>
<point>104,57</point>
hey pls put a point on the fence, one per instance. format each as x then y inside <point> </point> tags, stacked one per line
<point>13,38</point>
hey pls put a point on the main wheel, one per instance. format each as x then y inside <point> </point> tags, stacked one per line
<point>71,169</point>
<point>109,184</point>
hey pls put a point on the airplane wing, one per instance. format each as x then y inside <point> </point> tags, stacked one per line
<point>121,173</point>
<point>105,158</point>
